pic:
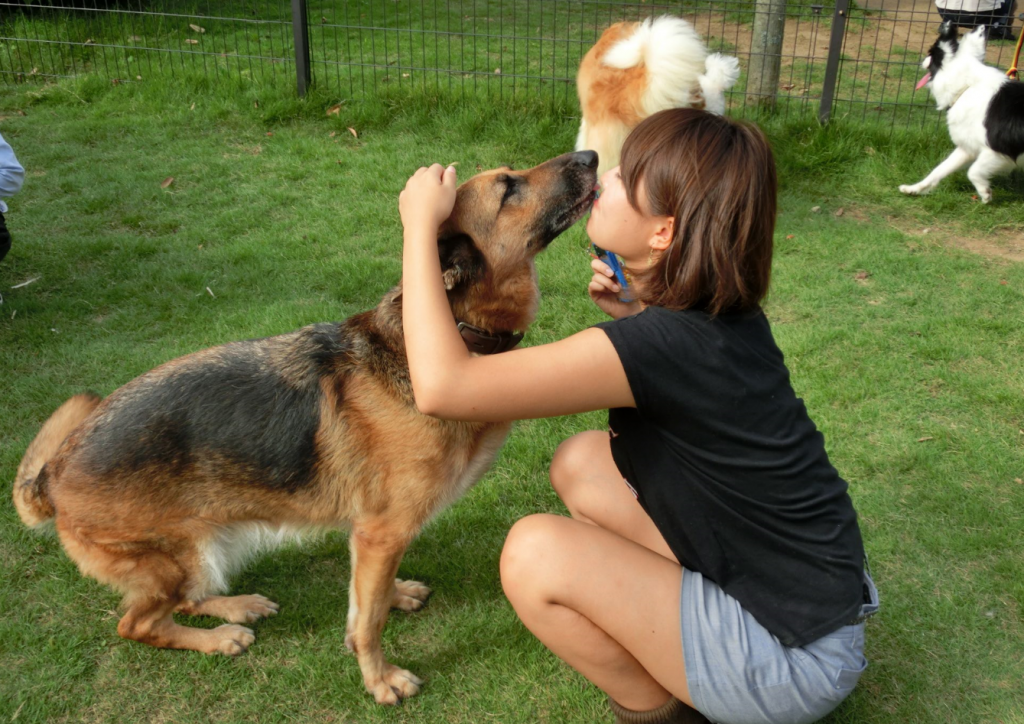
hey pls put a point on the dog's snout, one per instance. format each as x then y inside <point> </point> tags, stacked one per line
<point>585,158</point>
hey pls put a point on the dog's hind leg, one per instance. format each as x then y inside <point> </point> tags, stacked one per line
<point>954,162</point>
<point>150,621</point>
<point>152,581</point>
<point>581,137</point>
<point>234,609</point>
<point>377,549</point>
<point>607,139</point>
<point>988,165</point>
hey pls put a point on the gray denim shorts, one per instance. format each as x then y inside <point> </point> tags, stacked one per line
<point>739,673</point>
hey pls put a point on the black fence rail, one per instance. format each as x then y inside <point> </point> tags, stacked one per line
<point>838,59</point>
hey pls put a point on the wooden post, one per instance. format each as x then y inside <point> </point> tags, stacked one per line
<point>766,52</point>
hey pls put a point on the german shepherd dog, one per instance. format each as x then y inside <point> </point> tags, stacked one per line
<point>170,484</point>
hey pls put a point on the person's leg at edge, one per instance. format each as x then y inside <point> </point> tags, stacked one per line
<point>596,593</point>
<point>5,238</point>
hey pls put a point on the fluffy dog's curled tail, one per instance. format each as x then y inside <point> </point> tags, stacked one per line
<point>30,496</point>
<point>720,74</point>
<point>673,54</point>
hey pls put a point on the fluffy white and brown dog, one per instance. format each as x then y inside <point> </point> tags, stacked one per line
<point>639,68</point>
<point>985,111</point>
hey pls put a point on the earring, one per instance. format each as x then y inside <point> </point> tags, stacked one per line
<point>650,257</point>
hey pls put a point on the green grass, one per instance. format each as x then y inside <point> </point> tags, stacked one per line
<point>913,373</point>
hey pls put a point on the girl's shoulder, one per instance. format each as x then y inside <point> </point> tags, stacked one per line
<point>695,337</point>
<point>695,320</point>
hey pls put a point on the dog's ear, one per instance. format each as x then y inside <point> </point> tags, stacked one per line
<point>461,261</point>
<point>947,31</point>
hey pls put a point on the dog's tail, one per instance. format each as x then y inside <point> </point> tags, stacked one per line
<point>720,74</point>
<point>30,496</point>
<point>673,54</point>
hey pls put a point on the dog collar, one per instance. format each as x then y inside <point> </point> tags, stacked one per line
<point>958,96</point>
<point>483,342</point>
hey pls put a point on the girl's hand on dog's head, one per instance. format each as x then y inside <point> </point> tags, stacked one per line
<point>428,197</point>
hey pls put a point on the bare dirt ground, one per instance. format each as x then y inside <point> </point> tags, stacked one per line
<point>1001,243</point>
<point>876,30</point>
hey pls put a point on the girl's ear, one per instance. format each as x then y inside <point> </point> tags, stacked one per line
<point>663,233</point>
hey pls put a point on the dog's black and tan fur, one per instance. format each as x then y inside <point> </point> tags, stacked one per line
<point>164,489</point>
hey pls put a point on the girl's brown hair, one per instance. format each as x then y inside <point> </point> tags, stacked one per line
<point>716,178</point>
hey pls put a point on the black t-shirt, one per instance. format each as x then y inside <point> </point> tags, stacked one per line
<point>722,455</point>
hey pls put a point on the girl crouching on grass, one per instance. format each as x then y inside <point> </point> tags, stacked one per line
<point>712,566</point>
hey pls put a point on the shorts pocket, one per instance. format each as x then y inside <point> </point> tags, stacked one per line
<point>846,679</point>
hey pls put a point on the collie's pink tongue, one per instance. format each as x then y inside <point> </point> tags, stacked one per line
<point>921,83</point>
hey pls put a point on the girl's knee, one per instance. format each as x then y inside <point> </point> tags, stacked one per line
<point>573,460</point>
<point>528,546</point>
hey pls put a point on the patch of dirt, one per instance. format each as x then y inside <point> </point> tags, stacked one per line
<point>805,37</point>
<point>912,25</point>
<point>1005,244</point>
<point>999,243</point>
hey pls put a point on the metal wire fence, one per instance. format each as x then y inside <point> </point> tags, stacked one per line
<point>134,40</point>
<point>498,48</point>
<point>836,58</point>
<point>882,52</point>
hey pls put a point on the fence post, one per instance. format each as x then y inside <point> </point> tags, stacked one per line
<point>766,51</point>
<point>300,28</point>
<point>835,50</point>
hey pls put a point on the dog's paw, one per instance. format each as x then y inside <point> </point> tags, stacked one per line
<point>396,684</point>
<point>247,609</point>
<point>908,189</point>
<point>409,595</point>
<point>233,640</point>
<point>404,682</point>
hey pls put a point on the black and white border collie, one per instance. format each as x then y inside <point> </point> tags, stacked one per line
<point>986,111</point>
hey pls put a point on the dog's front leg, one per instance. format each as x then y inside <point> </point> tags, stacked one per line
<point>956,160</point>
<point>377,548</point>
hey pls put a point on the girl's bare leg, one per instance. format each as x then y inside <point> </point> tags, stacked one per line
<point>601,590</point>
